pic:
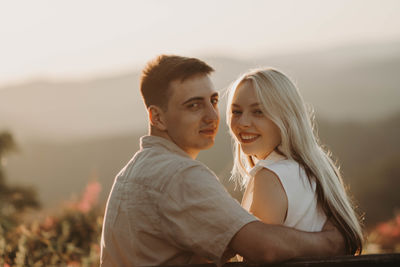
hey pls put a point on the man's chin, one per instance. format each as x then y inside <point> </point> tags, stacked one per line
<point>204,143</point>
<point>210,142</point>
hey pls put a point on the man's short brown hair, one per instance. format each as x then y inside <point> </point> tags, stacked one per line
<point>161,71</point>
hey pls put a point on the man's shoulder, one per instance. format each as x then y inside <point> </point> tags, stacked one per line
<point>154,157</point>
<point>154,168</point>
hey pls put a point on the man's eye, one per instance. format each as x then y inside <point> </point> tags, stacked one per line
<point>193,105</point>
<point>214,101</point>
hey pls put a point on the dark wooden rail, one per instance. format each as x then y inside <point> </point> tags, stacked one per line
<point>375,260</point>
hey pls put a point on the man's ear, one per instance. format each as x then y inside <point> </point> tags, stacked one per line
<point>156,117</point>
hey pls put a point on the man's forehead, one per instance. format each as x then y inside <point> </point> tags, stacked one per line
<point>197,86</point>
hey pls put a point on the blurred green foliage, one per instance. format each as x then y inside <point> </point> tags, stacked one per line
<point>14,200</point>
<point>385,237</point>
<point>70,238</point>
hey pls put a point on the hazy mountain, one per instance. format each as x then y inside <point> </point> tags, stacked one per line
<point>47,110</point>
<point>369,156</point>
<point>358,83</point>
<point>368,153</point>
<point>70,132</point>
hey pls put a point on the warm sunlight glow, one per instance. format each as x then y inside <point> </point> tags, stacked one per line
<point>60,39</point>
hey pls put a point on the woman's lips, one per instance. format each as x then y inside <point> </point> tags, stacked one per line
<point>248,138</point>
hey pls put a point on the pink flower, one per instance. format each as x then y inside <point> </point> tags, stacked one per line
<point>398,219</point>
<point>389,229</point>
<point>89,197</point>
<point>73,264</point>
<point>384,228</point>
<point>48,222</point>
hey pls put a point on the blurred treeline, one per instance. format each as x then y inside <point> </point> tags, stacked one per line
<point>14,200</point>
<point>368,154</point>
<point>70,236</point>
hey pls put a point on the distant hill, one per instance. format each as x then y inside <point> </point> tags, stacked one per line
<point>358,83</point>
<point>59,111</point>
<point>347,83</point>
<point>369,156</point>
<point>368,153</point>
<point>73,131</point>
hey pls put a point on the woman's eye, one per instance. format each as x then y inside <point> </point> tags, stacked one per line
<point>258,112</point>
<point>236,112</point>
<point>214,101</point>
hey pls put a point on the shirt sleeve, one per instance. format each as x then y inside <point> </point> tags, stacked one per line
<point>199,215</point>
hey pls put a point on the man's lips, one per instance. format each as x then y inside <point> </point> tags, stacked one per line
<point>209,131</point>
<point>248,137</point>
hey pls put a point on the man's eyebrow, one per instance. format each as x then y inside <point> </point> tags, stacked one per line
<point>196,98</point>
<point>199,98</point>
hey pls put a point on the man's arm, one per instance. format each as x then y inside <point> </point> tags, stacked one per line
<point>264,243</point>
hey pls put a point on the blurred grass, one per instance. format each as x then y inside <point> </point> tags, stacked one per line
<point>72,236</point>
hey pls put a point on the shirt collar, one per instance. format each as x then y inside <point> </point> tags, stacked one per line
<point>150,141</point>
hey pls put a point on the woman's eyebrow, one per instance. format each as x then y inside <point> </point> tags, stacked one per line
<point>252,105</point>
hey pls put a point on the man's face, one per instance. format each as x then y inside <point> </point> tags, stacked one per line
<point>192,116</point>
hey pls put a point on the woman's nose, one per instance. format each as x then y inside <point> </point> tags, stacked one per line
<point>244,120</point>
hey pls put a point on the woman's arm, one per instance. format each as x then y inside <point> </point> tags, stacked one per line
<point>269,202</point>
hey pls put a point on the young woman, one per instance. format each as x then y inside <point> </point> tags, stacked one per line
<point>289,178</point>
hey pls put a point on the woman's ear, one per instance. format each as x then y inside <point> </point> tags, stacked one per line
<point>156,117</point>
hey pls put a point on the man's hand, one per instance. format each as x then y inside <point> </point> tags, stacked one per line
<point>335,237</point>
<point>263,243</point>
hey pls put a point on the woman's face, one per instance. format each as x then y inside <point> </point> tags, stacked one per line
<point>257,135</point>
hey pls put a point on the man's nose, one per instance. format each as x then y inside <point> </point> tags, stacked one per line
<point>212,114</point>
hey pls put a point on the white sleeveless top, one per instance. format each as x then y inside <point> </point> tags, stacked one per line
<point>303,211</point>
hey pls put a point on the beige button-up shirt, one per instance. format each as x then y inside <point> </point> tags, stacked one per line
<point>167,209</point>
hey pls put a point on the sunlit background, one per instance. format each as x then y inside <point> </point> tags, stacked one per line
<point>69,99</point>
<point>64,39</point>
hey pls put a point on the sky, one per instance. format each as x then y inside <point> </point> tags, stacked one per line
<point>47,39</point>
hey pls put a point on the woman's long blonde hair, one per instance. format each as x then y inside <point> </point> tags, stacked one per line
<point>282,103</point>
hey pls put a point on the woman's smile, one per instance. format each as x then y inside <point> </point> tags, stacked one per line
<point>248,137</point>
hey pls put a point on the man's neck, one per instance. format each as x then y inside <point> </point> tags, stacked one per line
<point>154,132</point>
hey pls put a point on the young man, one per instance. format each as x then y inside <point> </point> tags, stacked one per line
<point>166,208</point>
